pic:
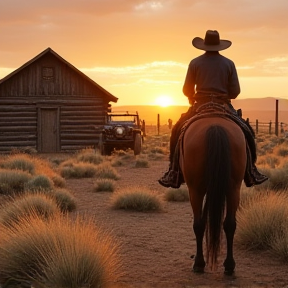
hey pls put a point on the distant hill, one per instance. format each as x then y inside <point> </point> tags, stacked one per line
<point>262,109</point>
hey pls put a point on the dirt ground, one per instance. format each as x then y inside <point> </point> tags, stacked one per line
<point>157,247</point>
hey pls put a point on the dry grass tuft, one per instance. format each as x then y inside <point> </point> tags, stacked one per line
<point>21,162</point>
<point>60,252</point>
<point>72,169</point>
<point>13,181</point>
<point>27,204</point>
<point>142,163</point>
<point>90,156</point>
<point>39,182</point>
<point>64,199</point>
<point>137,199</point>
<point>177,195</point>
<point>104,185</point>
<point>262,219</point>
<point>105,170</point>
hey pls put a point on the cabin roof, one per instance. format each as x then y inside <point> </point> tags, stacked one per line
<point>49,50</point>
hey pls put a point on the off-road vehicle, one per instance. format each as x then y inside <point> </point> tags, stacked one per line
<point>121,132</point>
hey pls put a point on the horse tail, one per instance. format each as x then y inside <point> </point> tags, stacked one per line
<point>217,176</point>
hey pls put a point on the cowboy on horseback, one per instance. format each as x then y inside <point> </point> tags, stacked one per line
<point>211,78</point>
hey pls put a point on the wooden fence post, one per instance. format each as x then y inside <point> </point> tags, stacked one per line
<point>270,127</point>
<point>158,124</point>
<point>276,118</point>
<point>143,128</point>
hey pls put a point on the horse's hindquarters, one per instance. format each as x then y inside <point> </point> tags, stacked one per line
<point>194,150</point>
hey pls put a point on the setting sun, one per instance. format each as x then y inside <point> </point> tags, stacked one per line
<point>164,101</point>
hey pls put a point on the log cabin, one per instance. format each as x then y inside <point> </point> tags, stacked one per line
<point>51,106</point>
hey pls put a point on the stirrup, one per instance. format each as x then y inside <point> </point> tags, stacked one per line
<point>254,178</point>
<point>171,179</point>
<point>260,179</point>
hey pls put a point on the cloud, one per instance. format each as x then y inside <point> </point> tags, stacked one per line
<point>149,5</point>
<point>117,36</point>
<point>153,74</point>
<point>157,67</point>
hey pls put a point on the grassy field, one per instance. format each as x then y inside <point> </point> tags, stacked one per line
<point>45,242</point>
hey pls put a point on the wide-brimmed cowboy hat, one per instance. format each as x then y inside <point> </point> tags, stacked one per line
<point>211,42</point>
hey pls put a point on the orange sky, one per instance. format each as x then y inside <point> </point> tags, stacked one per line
<point>140,50</point>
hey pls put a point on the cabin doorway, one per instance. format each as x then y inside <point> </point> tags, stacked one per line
<point>48,130</point>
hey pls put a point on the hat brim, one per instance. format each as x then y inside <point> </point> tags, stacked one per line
<point>198,43</point>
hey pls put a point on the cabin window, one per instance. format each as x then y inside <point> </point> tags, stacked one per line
<point>47,73</point>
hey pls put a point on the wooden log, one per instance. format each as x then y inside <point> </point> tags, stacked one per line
<point>53,101</point>
<point>70,128</point>
<point>13,108</point>
<point>80,122</point>
<point>16,114</point>
<point>8,149</point>
<point>18,128</point>
<point>17,123</point>
<point>78,142</point>
<point>66,148</point>
<point>16,136</point>
<point>18,143</point>
<point>79,117</point>
<point>82,113</point>
<point>68,108</point>
<point>78,136</point>
<point>18,119</point>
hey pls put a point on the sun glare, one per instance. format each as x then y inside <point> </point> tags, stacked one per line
<point>164,101</point>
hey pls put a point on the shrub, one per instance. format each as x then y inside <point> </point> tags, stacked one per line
<point>90,156</point>
<point>60,252</point>
<point>249,194</point>
<point>280,244</point>
<point>64,199</point>
<point>156,156</point>
<point>105,170</point>
<point>117,163</point>
<point>278,179</point>
<point>13,181</point>
<point>77,170</point>
<point>178,195</point>
<point>283,152</point>
<point>272,161</point>
<point>139,199</point>
<point>27,204</point>
<point>39,182</point>
<point>107,185</point>
<point>19,162</point>
<point>159,150</point>
<point>43,167</point>
<point>58,181</point>
<point>262,220</point>
<point>142,163</point>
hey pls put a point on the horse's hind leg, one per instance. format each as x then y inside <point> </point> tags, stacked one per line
<point>199,225</point>
<point>229,228</point>
<point>199,229</point>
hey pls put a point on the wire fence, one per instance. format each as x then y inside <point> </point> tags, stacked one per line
<point>271,128</point>
<point>279,129</point>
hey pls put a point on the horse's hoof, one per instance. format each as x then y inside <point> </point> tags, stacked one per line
<point>229,272</point>
<point>198,270</point>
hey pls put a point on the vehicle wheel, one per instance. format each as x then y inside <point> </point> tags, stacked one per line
<point>137,144</point>
<point>101,145</point>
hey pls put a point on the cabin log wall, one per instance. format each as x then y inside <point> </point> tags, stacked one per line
<point>80,104</point>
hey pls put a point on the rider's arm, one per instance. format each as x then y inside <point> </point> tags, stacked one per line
<point>189,84</point>
<point>233,84</point>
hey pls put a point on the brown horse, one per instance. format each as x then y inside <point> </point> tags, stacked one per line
<point>213,162</point>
